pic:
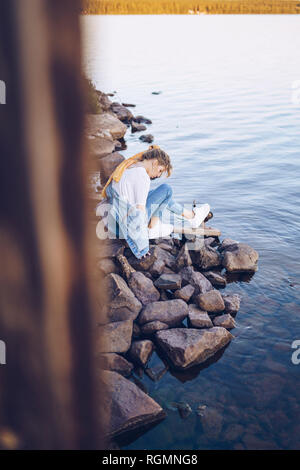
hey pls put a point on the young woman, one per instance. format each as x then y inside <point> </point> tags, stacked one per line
<point>136,210</point>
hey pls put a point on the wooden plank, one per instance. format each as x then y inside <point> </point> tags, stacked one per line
<point>200,231</point>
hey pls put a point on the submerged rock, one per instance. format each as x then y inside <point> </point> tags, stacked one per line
<point>171,312</point>
<point>211,301</point>
<point>226,321</point>
<point>239,258</point>
<point>124,406</point>
<point>141,351</point>
<point>186,347</point>
<point>212,423</point>
<point>147,138</point>
<point>143,119</point>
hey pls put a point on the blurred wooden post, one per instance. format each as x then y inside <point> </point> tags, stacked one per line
<point>47,386</point>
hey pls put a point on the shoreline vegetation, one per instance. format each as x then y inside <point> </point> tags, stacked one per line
<point>185,7</point>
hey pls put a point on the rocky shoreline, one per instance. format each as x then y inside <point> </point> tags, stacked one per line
<point>171,302</point>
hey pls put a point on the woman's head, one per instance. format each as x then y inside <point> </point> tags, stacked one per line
<point>160,160</point>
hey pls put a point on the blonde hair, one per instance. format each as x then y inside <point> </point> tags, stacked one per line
<point>162,158</point>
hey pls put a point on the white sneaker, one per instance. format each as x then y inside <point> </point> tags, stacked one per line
<point>200,215</point>
<point>160,230</point>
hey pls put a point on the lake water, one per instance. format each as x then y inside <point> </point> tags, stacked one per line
<point>229,117</point>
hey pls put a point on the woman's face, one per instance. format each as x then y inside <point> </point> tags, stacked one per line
<point>156,170</point>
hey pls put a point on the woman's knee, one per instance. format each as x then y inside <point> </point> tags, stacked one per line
<point>167,189</point>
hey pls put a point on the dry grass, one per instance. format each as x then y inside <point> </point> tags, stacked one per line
<point>156,7</point>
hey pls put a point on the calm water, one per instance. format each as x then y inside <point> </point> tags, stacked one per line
<point>229,120</point>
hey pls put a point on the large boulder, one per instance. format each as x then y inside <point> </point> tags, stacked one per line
<point>114,337</point>
<point>122,303</point>
<point>216,279</point>
<point>124,406</point>
<point>143,288</point>
<point>114,362</point>
<point>97,124</point>
<point>186,347</point>
<point>239,257</point>
<point>196,279</point>
<point>108,164</point>
<point>211,301</point>
<point>171,312</point>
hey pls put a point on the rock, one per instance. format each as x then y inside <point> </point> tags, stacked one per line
<point>212,423</point>
<point>140,119</point>
<point>206,257</point>
<point>121,112</point>
<point>96,124</point>
<point>168,281</point>
<point>185,293</point>
<point>226,321</point>
<point>108,164</point>
<point>233,432</point>
<point>129,105</point>
<point>108,248</point>
<point>211,301</point>
<point>143,264</point>
<point>183,258</point>
<point>107,266</point>
<point>143,288</point>
<point>196,279</point>
<point>124,406</point>
<point>216,279</point>
<point>101,146</point>
<point>157,268</point>
<point>135,127</point>
<point>209,241</point>
<point>184,409</point>
<point>153,326</point>
<point>115,362</point>
<point>171,312</point>
<point>163,295</point>
<point>141,351</point>
<point>198,318</point>
<point>136,331</point>
<point>226,243</point>
<point>122,303</point>
<point>186,347</point>
<point>239,258</point>
<point>166,246</point>
<point>232,302</point>
<point>147,138</point>
<point>114,337</point>
<point>166,257</point>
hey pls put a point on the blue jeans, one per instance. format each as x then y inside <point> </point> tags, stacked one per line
<point>160,199</point>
